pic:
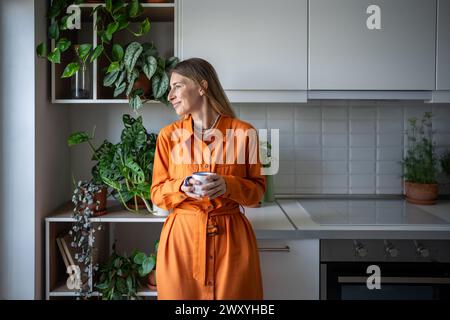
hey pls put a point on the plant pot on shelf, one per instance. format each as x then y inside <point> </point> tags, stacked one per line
<point>151,284</point>
<point>420,193</point>
<point>98,207</point>
<point>140,204</point>
<point>143,83</point>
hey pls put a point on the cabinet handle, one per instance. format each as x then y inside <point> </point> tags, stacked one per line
<point>280,249</point>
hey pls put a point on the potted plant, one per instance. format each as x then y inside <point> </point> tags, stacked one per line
<point>420,164</point>
<point>122,276</point>
<point>126,167</point>
<point>83,232</point>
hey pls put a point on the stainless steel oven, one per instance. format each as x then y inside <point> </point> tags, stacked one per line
<point>385,269</point>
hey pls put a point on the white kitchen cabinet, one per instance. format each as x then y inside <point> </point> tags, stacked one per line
<point>290,269</point>
<point>258,47</point>
<point>347,50</point>
<point>443,46</point>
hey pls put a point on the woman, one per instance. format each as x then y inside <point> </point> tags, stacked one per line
<point>207,247</point>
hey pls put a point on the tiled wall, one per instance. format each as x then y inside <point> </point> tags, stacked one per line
<point>344,147</point>
<point>326,147</point>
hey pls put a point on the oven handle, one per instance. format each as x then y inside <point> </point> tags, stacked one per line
<point>397,280</point>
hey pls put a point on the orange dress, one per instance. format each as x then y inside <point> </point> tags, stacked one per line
<point>207,248</point>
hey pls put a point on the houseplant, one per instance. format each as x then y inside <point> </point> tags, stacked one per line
<point>122,276</point>
<point>126,167</point>
<point>420,164</point>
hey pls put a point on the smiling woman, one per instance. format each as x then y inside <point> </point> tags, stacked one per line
<point>207,247</point>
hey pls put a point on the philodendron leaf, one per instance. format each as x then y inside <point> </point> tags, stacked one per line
<point>149,67</point>
<point>63,44</point>
<point>54,56</point>
<point>131,78</point>
<point>160,83</point>
<point>148,264</point>
<point>117,52</point>
<point>41,50</point>
<point>77,138</point>
<point>53,30</point>
<point>132,53</point>
<point>110,78</point>
<point>134,8</point>
<point>109,5</point>
<point>171,63</point>
<point>119,89</point>
<point>135,102</point>
<point>139,258</point>
<point>83,51</point>
<point>114,66</point>
<point>97,52</point>
<point>70,69</point>
<point>145,27</point>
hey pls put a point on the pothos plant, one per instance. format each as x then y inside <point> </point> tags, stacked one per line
<point>126,167</point>
<point>121,276</point>
<point>112,17</point>
<point>83,232</point>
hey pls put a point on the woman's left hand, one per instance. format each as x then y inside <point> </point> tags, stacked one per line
<point>214,187</point>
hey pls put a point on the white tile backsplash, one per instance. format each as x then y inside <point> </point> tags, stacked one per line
<point>361,154</point>
<point>308,154</point>
<point>362,140</point>
<point>338,154</point>
<point>335,126</point>
<point>362,126</point>
<point>335,140</point>
<point>308,126</point>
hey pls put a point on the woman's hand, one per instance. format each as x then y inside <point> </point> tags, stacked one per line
<point>188,189</point>
<point>213,187</point>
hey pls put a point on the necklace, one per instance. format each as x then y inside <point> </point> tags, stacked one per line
<point>201,130</point>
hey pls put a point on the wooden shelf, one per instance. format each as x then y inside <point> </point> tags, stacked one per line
<point>116,213</point>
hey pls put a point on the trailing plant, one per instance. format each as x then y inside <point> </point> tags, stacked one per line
<point>420,164</point>
<point>83,232</point>
<point>127,166</point>
<point>121,277</point>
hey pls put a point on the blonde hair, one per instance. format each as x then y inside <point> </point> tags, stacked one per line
<point>198,70</point>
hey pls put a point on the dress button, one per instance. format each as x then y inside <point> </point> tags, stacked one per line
<point>210,283</point>
<point>206,166</point>
<point>211,257</point>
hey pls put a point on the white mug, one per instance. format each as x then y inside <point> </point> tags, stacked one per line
<point>200,176</point>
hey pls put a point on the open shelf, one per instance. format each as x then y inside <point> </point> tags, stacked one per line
<point>61,290</point>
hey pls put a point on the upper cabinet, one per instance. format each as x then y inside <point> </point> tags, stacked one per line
<point>254,45</point>
<point>443,46</point>
<point>373,44</point>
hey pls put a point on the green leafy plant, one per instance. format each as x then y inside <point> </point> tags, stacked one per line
<point>121,277</point>
<point>140,59</point>
<point>127,166</point>
<point>420,164</point>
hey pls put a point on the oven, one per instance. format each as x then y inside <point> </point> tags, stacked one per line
<point>385,269</point>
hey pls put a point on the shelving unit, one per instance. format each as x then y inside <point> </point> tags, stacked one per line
<point>60,221</point>
<point>163,33</point>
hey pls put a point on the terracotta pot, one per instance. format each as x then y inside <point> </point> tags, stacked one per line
<point>419,193</point>
<point>152,280</point>
<point>140,204</point>
<point>143,83</point>
<point>100,208</point>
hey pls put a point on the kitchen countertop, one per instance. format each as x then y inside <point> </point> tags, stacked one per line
<point>366,219</point>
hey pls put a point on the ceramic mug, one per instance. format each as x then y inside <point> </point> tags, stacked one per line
<point>200,176</point>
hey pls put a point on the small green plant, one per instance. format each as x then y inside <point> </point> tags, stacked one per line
<point>121,277</point>
<point>420,165</point>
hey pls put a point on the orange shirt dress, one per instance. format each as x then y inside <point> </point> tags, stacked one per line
<point>207,248</point>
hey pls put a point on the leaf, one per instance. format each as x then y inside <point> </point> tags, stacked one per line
<point>135,102</point>
<point>54,56</point>
<point>112,27</point>
<point>160,83</point>
<point>123,25</point>
<point>63,23</point>
<point>109,5</point>
<point>41,50</point>
<point>120,89</point>
<point>139,258</point>
<point>106,37</point>
<point>130,283</point>
<point>77,138</point>
<point>149,67</point>
<point>97,52</point>
<point>70,69</point>
<point>148,265</point>
<point>133,8</point>
<point>144,28</point>
<point>171,63</point>
<point>117,52</point>
<point>110,78</point>
<point>114,66</point>
<point>83,51</point>
<point>53,30</point>
<point>132,53</point>
<point>63,44</point>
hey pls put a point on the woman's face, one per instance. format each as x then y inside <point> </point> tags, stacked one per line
<point>185,95</point>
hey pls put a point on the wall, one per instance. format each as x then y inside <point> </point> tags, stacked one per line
<point>17,149</point>
<point>326,147</point>
<point>52,187</point>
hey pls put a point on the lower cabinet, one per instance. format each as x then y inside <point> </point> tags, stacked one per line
<point>290,269</point>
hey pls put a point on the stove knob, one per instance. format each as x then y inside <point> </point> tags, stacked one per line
<point>360,251</point>
<point>423,252</point>
<point>391,251</point>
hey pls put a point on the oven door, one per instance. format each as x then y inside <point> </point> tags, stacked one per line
<point>398,281</point>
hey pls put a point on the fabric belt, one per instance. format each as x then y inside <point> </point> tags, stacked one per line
<point>204,229</point>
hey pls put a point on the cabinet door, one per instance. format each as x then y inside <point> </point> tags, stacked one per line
<point>290,274</point>
<point>253,44</point>
<point>443,46</point>
<point>348,52</point>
